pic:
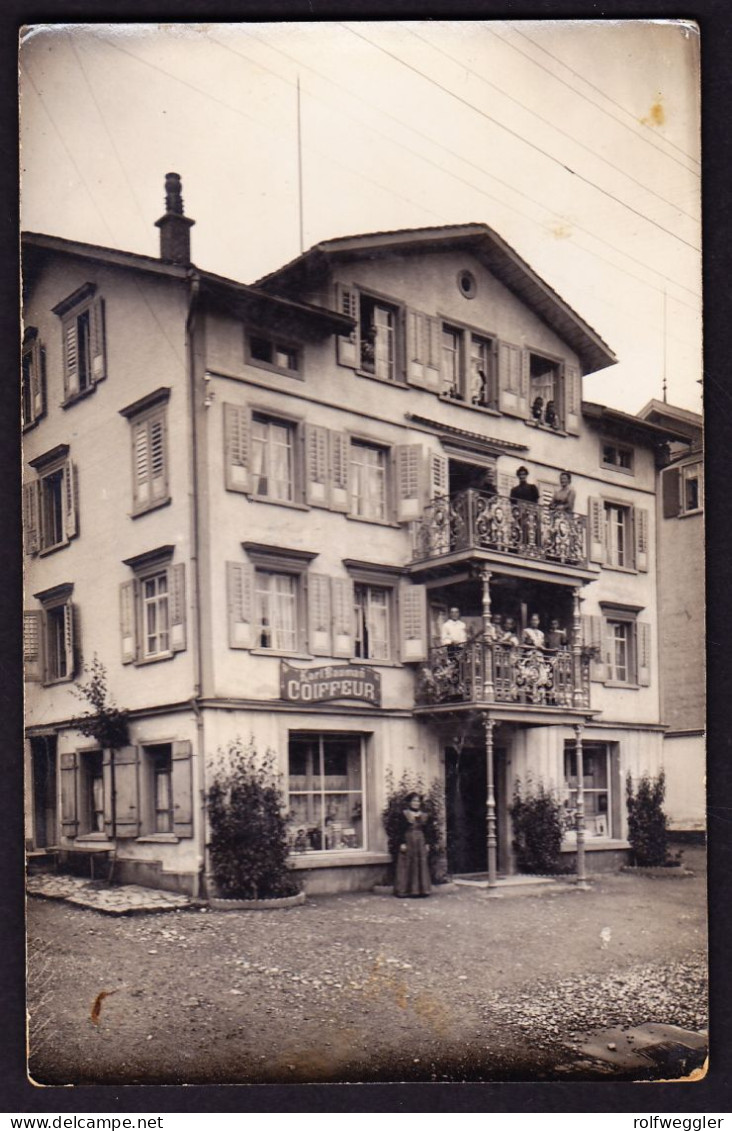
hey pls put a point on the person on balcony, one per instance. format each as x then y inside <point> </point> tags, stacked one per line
<point>454,634</point>
<point>510,635</point>
<point>487,485</point>
<point>532,635</point>
<point>564,496</point>
<point>524,492</point>
<point>556,637</point>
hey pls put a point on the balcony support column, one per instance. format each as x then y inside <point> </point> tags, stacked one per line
<point>491,826</point>
<point>580,823</point>
<point>487,641</point>
<point>578,695</point>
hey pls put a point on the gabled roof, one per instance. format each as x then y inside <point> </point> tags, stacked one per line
<point>625,424</point>
<point>481,241</point>
<point>659,412</point>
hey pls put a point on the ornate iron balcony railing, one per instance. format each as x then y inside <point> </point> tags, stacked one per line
<point>474,520</point>
<point>484,672</point>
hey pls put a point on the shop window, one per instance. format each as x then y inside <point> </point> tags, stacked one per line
<point>153,608</point>
<point>619,457</point>
<point>326,793</point>
<point>33,383</point>
<point>373,617</point>
<point>148,421</point>
<point>272,353</point>
<point>368,481</point>
<point>84,347</point>
<point>597,776</point>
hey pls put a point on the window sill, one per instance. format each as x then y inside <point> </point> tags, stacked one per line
<point>59,679</point>
<point>158,838</point>
<point>374,521</point>
<point>622,685</point>
<point>280,652</point>
<point>295,374</point>
<point>80,396</point>
<point>337,859</point>
<point>145,660</point>
<point>92,841</point>
<point>487,410</point>
<point>43,553</point>
<point>690,514</point>
<point>620,569</point>
<point>546,428</point>
<point>278,502</point>
<point>32,423</point>
<point>359,661</point>
<point>138,512</point>
<point>390,381</point>
<point>620,470</point>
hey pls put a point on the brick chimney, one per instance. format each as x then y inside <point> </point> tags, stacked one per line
<point>175,228</point>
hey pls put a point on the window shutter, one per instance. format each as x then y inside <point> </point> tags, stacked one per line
<point>98,358</point>
<point>240,603</point>
<point>413,622</point>
<point>342,602</point>
<point>108,792</point>
<point>643,647</point>
<point>177,582</point>
<point>596,528</point>
<point>236,447</point>
<point>127,620</point>
<point>510,398</point>
<point>546,491</point>
<point>572,399</point>
<point>316,465</point>
<point>126,792</point>
<point>671,490</point>
<point>439,475</point>
<point>36,379</point>
<point>71,500</point>
<point>340,450</point>
<point>409,462</point>
<point>69,819</point>
<point>319,618</point>
<point>593,637</point>
<point>31,516</point>
<point>32,645</point>
<point>182,788</point>
<point>71,357</point>
<point>158,462</point>
<point>70,640</point>
<point>640,526</point>
<point>141,462</point>
<point>505,483</point>
<point>347,345</point>
<point>417,347</point>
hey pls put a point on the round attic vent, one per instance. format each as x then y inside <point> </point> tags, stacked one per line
<point>467,284</point>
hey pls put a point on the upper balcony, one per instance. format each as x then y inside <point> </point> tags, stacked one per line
<point>475,523</point>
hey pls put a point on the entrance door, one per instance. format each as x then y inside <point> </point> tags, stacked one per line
<point>465,809</point>
<point>43,768</point>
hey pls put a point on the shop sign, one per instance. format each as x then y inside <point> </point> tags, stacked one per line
<point>318,685</point>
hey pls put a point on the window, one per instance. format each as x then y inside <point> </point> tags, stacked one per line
<point>618,527</point>
<point>618,534</point>
<point>620,646</point>
<point>468,370</point>
<point>273,354</point>
<point>619,651</point>
<point>617,456</point>
<point>33,378</point>
<point>273,459</point>
<point>596,779</point>
<point>368,481</point>
<point>82,327</point>
<point>325,786</point>
<point>545,391</point>
<point>160,774</point>
<point>372,606</point>
<point>153,608</point>
<point>50,636</point>
<point>266,598</point>
<point>94,792</point>
<point>276,610</point>
<point>692,478</point>
<point>148,421</point>
<point>50,502</point>
<point>378,338</point>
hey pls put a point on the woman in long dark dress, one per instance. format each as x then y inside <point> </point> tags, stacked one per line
<point>412,873</point>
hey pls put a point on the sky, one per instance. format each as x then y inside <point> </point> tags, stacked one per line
<point>577,141</point>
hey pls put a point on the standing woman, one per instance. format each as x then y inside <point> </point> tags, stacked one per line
<point>412,872</point>
<point>563,497</point>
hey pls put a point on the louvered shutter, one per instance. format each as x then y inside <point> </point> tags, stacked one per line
<point>342,605</point>
<point>596,529</point>
<point>640,528</point>
<point>127,791</point>
<point>433,353</point>
<point>439,485</point>
<point>319,615</point>
<point>240,603</point>
<point>643,652</point>
<point>236,447</point>
<point>413,622</point>
<point>510,397</point>
<point>71,500</point>
<point>417,348</point>
<point>182,788</point>
<point>505,483</point>
<point>671,488</point>
<point>572,399</point>
<point>68,774</point>
<point>71,356</point>
<point>31,516</point>
<point>340,451</point>
<point>316,465</point>
<point>593,630</point>
<point>98,352</point>
<point>127,620</point>
<point>70,642</point>
<point>141,462</point>
<point>108,790</point>
<point>177,583</point>
<point>158,462</point>
<point>347,345</point>
<point>32,660</point>
<point>409,464</point>
<point>36,379</point>
<point>546,491</point>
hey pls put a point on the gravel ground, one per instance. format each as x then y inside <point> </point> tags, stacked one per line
<point>362,986</point>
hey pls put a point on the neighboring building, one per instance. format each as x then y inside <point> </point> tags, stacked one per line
<point>256,505</point>
<point>680,548</point>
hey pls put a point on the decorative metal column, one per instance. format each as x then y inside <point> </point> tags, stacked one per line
<point>581,870</point>
<point>490,805</point>
<point>578,696</point>
<point>485,577</point>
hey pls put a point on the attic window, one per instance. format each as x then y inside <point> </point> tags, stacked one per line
<point>467,284</point>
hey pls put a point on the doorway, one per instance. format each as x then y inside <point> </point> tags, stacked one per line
<point>465,809</point>
<point>43,770</point>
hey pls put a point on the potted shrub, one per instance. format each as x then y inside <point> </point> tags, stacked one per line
<point>536,819</point>
<point>432,803</point>
<point>248,843</point>
<point>647,824</point>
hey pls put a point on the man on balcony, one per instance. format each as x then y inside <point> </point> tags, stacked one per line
<point>454,634</point>
<point>524,492</point>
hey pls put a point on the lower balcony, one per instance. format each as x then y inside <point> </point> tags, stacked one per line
<point>482,672</point>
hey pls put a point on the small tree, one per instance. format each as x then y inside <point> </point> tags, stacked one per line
<point>647,831</point>
<point>249,844</point>
<point>536,817</point>
<point>434,805</point>
<point>105,723</point>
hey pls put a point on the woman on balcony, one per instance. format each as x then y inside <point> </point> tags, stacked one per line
<point>564,496</point>
<point>533,635</point>
<point>510,636</point>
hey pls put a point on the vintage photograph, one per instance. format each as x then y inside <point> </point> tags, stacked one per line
<point>363,512</point>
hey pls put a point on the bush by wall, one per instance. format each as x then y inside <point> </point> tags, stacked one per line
<point>433,803</point>
<point>647,830</point>
<point>248,822</point>
<point>536,817</point>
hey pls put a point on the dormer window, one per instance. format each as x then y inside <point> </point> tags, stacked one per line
<point>273,353</point>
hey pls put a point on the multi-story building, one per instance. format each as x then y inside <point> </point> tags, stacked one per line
<point>680,548</point>
<point>256,505</point>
